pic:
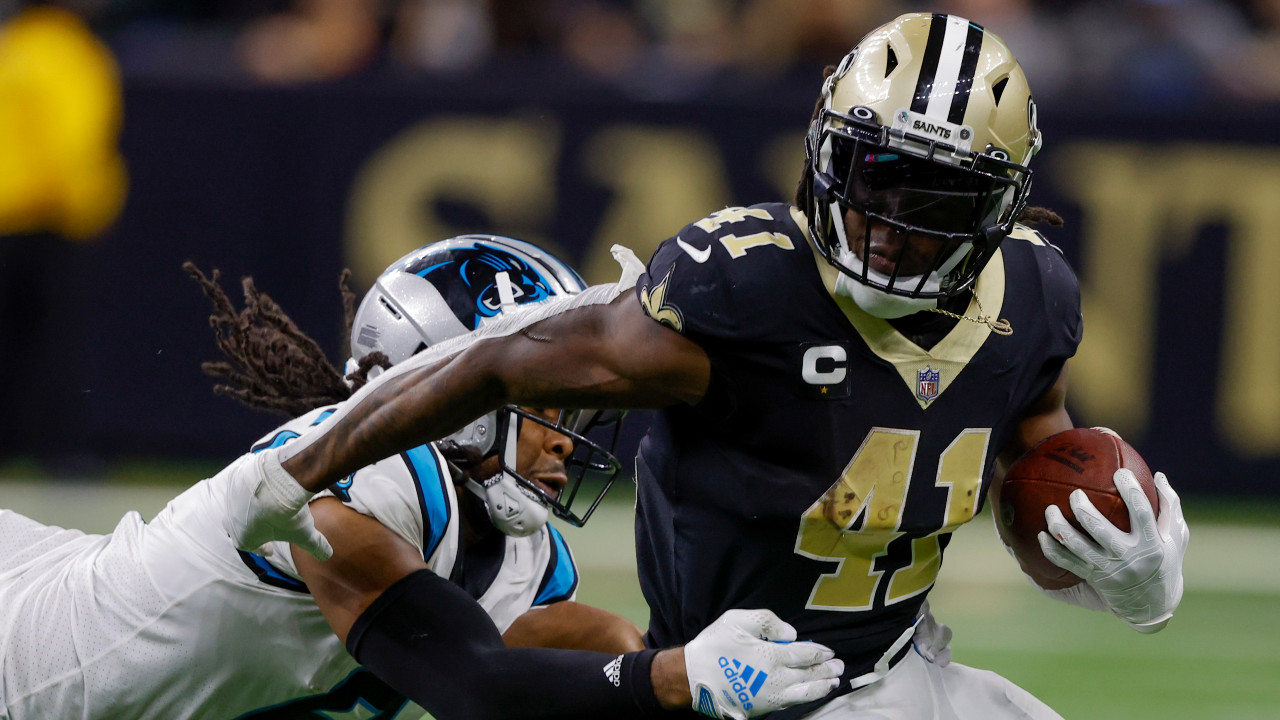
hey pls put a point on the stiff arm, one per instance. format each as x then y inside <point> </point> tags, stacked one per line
<point>369,558</point>
<point>597,350</point>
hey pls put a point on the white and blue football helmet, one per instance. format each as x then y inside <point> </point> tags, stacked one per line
<point>450,288</point>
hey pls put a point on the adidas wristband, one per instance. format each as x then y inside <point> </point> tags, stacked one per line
<point>433,643</point>
<point>637,680</point>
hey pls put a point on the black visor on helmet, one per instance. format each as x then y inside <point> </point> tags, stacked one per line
<point>591,468</point>
<point>915,192</point>
<point>920,193</point>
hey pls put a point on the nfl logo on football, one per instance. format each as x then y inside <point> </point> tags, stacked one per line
<point>927,383</point>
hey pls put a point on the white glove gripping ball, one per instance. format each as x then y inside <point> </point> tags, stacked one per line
<point>1138,574</point>
<point>746,664</point>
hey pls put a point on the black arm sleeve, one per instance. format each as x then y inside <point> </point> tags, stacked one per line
<point>432,642</point>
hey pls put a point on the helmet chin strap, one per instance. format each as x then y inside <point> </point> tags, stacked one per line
<point>515,510</point>
<point>511,508</point>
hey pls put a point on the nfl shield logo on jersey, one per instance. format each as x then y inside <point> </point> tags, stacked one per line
<point>927,383</point>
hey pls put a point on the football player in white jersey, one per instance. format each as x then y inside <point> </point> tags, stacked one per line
<point>166,619</point>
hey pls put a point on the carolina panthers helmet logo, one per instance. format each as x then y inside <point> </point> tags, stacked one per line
<point>467,279</point>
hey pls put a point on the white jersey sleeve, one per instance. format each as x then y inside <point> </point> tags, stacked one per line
<point>411,494</point>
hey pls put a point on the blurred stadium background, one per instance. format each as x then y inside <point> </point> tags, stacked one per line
<point>288,139</point>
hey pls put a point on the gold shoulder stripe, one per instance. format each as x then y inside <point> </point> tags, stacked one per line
<point>1031,235</point>
<point>653,299</point>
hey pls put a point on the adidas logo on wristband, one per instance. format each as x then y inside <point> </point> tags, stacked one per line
<point>613,671</point>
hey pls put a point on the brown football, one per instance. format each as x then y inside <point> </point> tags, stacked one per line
<point>1045,475</point>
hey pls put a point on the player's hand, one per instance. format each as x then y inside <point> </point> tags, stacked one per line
<point>265,503</point>
<point>1137,574</point>
<point>746,664</point>
<point>931,638</point>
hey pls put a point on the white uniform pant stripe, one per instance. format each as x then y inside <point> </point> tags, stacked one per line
<point>917,689</point>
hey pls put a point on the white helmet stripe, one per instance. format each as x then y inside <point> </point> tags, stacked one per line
<point>945,80</point>
<point>506,292</point>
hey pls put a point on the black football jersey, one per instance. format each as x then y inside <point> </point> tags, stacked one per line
<point>830,460</point>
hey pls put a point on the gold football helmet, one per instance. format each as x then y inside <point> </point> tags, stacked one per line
<point>926,127</point>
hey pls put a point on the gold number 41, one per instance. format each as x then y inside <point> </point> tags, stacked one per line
<point>854,522</point>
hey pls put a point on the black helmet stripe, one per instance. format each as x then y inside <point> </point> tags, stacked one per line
<point>947,68</point>
<point>929,64</point>
<point>968,66</point>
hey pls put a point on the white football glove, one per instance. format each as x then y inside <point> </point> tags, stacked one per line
<point>746,664</point>
<point>1138,575</point>
<point>265,503</point>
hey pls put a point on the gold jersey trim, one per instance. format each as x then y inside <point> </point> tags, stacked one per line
<point>950,356</point>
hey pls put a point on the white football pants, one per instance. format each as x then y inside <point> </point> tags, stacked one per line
<point>918,688</point>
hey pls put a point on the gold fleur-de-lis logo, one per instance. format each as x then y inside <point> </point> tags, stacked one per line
<point>653,299</point>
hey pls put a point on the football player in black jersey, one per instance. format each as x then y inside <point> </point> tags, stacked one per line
<point>838,380</point>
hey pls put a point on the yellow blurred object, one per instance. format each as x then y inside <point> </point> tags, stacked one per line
<point>61,109</point>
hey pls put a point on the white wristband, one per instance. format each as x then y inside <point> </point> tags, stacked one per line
<point>286,493</point>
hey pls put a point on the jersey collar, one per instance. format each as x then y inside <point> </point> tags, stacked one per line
<point>949,356</point>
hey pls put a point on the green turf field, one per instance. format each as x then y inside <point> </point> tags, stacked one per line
<point>1220,657</point>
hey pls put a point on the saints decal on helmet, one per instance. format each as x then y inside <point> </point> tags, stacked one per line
<point>449,288</point>
<point>925,127</point>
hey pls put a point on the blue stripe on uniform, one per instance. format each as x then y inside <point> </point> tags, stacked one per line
<point>280,438</point>
<point>562,577</point>
<point>433,495</point>
<point>285,436</point>
<point>268,574</point>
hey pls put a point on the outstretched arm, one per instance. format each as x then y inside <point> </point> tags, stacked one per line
<point>369,558</point>
<point>595,356</point>
<point>597,351</point>
<point>433,643</point>
<point>574,626</point>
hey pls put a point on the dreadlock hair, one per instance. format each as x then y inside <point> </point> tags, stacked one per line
<point>1034,214</point>
<point>271,364</point>
<point>1030,215</point>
